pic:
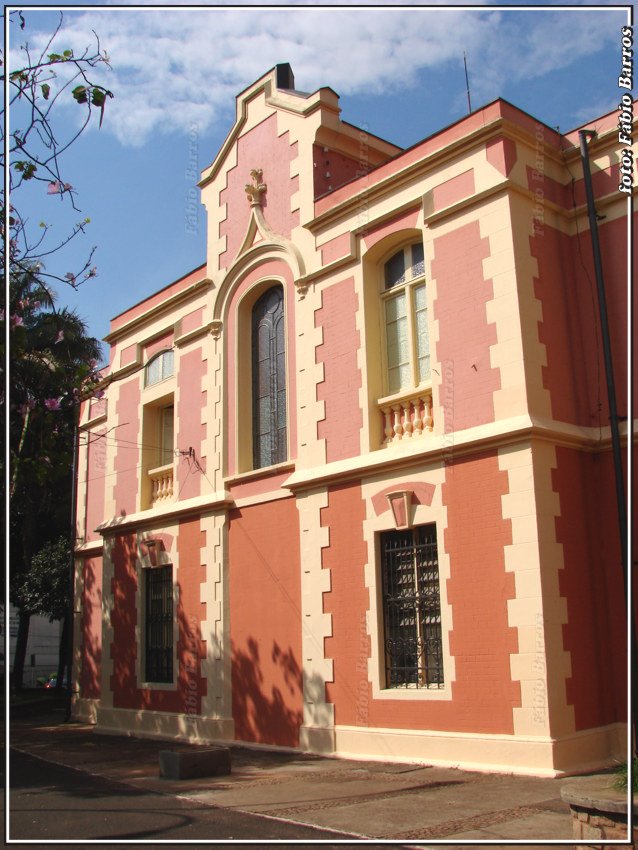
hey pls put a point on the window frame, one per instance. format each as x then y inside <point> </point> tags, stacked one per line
<point>166,454</point>
<point>161,358</point>
<point>421,554</point>
<point>390,293</point>
<point>278,442</point>
<point>163,573</point>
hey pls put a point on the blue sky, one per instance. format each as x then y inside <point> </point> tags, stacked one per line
<point>176,70</point>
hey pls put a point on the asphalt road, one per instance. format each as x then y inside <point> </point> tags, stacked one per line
<point>52,802</point>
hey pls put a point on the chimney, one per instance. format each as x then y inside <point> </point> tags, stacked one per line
<point>285,77</point>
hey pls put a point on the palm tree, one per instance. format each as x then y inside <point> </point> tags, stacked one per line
<point>52,360</point>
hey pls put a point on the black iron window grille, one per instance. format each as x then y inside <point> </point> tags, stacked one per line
<point>411,608</point>
<point>159,624</point>
<point>269,379</point>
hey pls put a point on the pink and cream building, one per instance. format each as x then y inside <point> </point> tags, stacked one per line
<point>350,489</point>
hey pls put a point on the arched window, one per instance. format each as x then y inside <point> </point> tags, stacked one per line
<point>269,379</point>
<point>407,341</point>
<point>159,368</point>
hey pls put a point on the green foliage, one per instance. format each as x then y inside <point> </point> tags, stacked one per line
<point>53,365</point>
<point>45,588</point>
<point>621,777</point>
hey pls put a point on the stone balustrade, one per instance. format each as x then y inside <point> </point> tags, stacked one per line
<point>406,415</point>
<point>161,484</point>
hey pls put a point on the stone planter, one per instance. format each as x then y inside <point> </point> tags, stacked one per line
<point>599,811</point>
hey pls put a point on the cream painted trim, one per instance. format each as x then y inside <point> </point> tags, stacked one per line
<point>155,312</point>
<point>504,432</point>
<point>373,526</point>
<point>160,724</point>
<point>413,171</point>
<point>538,611</point>
<point>215,628</point>
<point>256,474</point>
<point>311,450</point>
<point>154,516</point>
<point>318,720</point>
<point>262,498</point>
<point>92,547</point>
<point>91,423</point>
<point>85,710</point>
<point>209,328</point>
<point>526,756</point>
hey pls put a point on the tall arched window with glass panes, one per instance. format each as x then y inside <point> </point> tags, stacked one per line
<point>269,379</point>
<point>407,343</point>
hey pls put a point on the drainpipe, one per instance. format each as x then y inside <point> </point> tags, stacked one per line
<point>604,329</point>
<point>611,392</point>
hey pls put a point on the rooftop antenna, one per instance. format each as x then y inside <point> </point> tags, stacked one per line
<point>467,85</point>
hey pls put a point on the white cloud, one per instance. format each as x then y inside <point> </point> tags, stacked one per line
<point>173,67</point>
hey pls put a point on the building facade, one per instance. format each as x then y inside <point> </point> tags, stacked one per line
<point>350,489</point>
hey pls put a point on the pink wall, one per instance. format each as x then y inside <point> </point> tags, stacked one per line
<point>479,588</point>
<point>591,582</point>
<point>91,629</point>
<point>159,344</point>
<point>265,613</point>
<point>95,481</point>
<point>404,221</point>
<point>339,390</point>
<point>189,430</point>
<point>339,167</point>
<point>186,698</point>
<point>468,379</point>
<point>453,190</point>
<point>476,121</point>
<point>501,153</point>
<point>263,148</point>
<point>127,413</point>
<point>570,327</point>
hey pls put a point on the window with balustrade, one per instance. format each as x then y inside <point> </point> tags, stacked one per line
<point>412,638</point>
<point>158,451</point>
<point>406,405</point>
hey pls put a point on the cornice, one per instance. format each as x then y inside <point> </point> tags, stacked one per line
<point>166,306</point>
<point>394,181</point>
<point>153,517</point>
<point>446,448</point>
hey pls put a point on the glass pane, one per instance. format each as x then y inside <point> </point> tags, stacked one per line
<point>395,270</point>
<point>397,343</point>
<point>418,260</point>
<point>167,364</point>
<point>269,378</point>
<point>422,332</point>
<point>153,372</point>
<point>166,436</point>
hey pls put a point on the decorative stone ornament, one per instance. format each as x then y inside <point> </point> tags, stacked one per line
<point>400,502</point>
<point>256,189</point>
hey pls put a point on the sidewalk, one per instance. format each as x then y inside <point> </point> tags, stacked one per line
<point>373,800</point>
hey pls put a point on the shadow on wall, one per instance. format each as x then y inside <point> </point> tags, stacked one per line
<point>91,643</point>
<point>265,712</point>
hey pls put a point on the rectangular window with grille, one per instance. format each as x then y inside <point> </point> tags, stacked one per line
<point>159,624</point>
<point>411,608</point>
